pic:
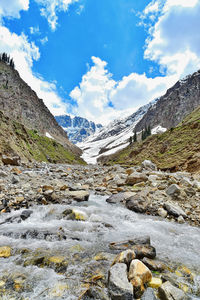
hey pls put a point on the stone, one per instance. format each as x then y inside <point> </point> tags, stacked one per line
<point>125,257</point>
<point>169,292</point>
<point>136,178</point>
<point>119,197</point>
<point>94,293</point>
<point>142,251</point>
<point>15,179</point>
<point>148,165</point>
<point>181,220</point>
<point>162,212</point>
<point>3,174</point>
<point>139,275</point>
<point>149,294</point>
<point>75,215</point>
<point>79,195</point>
<point>174,210</point>
<point>13,161</point>
<point>173,190</point>
<point>154,265</point>
<point>26,214</point>
<point>58,263</point>
<point>137,204</point>
<point>5,251</point>
<point>118,285</point>
<point>155,283</point>
<point>123,245</point>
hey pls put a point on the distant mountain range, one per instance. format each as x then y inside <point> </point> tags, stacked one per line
<point>77,128</point>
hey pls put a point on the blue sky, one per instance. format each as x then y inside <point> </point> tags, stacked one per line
<point>101,59</point>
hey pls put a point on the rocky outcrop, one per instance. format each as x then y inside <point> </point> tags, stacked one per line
<point>170,109</point>
<point>20,103</point>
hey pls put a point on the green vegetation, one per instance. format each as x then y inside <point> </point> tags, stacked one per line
<point>29,145</point>
<point>176,149</point>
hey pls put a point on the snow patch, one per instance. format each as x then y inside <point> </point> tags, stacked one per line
<point>158,129</point>
<point>49,136</point>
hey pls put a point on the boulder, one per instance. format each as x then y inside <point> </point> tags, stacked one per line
<point>174,210</point>
<point>120,197</point>
<point>26,214</point>
<point>138,275</point>
<point>137,204</point>
<point>5,251</point>
<point>162,212</point>
<point>169,292</point>
<point>136,178</point>
<point>125,257</point>
<point>123,245</point>
<point>148,165</point>
<point>149,295</point>
<point>79,195</point>
<point>154,265</point>
<point>173,190</point>
<point>155,283</point>
<point>13,161</point>
<point>142,251</point>
<point>118,285</point>
<point>74,215</point>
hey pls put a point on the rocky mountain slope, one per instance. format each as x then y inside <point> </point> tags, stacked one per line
<point>171,108</point>
<point>112,137</point>
<point>77,128</point>
<point>176,149</point>
<point>18,141</point>
<point>20,103</point>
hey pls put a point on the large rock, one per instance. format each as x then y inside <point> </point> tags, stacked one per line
<point>142,251</point>
<point>138,275</point>
<point>79,195</point>
<point>120,197</point>
<point>123,245</point>
<point>154,265</point>
<point>173,190</point>
<point>148,165</point>
<point>149,295</point>
<point>169,292</point>
<point>137,204</point>
<point>136,178</point>
<point>13,161</point>
<point>118,285</point>
<point>125,257</point>
<point>174,210</point>
<point>5,251</point>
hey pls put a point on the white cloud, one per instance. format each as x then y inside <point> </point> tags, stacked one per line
<point>44,40</point>
<point>34,30</point>
<point>174,40</point>
<point>24,53</point>
<point>12,8</point>
<point>50,9</point>
<point>98,90</point>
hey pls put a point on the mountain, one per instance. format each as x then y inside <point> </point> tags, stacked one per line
<point>112,137</point>
<point>171,108</point>
<point>20,104</point>
<point>177,149</point>
<point>77,128</point>
<point>163,113</point>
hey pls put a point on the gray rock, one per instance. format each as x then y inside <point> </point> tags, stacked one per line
<point>120,197</point>
<point>169,292</point>
<point>118,285</point>
<point>148,165</point>
<point>3,174</point>
<point>149,295</point>
<point>162,212</point>
<point>136,178</point>
<point>173,190</point>
<point>26,214</point>
<point>15,179</point>
<point>137,204</point>
<point>174,210</point>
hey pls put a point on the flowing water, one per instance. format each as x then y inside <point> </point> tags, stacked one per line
<point>105,223</point>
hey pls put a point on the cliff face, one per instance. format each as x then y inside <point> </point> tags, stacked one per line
<point>20,103</point>
<point>77,128</point>
<point>171,108</point>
